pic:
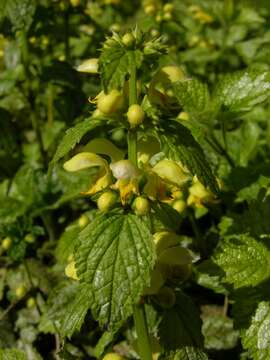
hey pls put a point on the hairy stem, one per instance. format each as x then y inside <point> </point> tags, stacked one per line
<point>138,309</point>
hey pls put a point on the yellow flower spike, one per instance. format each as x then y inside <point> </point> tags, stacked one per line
<point>89,66</point>
<point>86,160</point>
<point>70,271</point>
<point>171,172</point>
<point>105,147</point>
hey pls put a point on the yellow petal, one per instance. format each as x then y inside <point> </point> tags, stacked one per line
<point>126,187</point>
<point>105,147</point>
<point>104,180</point>
<point>89,66</point>
<point>154,187</point>
<point>171,172</point>
<point>84,160</point>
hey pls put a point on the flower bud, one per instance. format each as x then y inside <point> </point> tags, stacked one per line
<point>20,291</point>
<point>29,238</point>
<point>164,240</point>
<point>106,201</point>
<point>128,40</point>
<point>83,221</point>
<point>111,102</point>
<point>175,263</point>
<point>6,243</point>
<point>135,115</point>
<point>31,302</point>
<point>141,206</point>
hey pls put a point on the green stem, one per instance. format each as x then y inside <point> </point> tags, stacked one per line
<point>132,133</point>
<point>50,96</point>
<point>142,332</point>
<point>144,345</point>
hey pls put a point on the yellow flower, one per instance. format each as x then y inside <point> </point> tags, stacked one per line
<point>86,160</point>
<point>171,172</point>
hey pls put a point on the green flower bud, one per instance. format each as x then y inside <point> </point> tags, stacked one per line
<point>83,221</point>
<point>89,66</point>
<point>20,291</point>
<point>29,238</point>
<point>107,200</point>
<point>6,243</point>
<point>113,356</point>
<point>141,206</point>
<point>110,103</point>
<point>128,40</point>
<point>135,115</point>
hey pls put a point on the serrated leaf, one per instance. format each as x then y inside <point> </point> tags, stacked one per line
<point>21,13</point>
<point>256,339</point>
<point>105,340</point>
<point>245,261</point>
<point>115,63</point>
<point>242,90</point>
<point>194,97</point>
<point>164,217</point>
<point>178,144</point>
<point>115,256</point>
<point>181,325</point>
<point>73,136</point>
<point>76,310</point>
<point>186,353</point>
<point>12,354</point>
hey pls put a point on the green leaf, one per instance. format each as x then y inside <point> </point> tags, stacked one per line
<point>66,308</point>
<point>10,210</point>
<point>12,354</point>
<point>73,136</point>
<point>242,90</point>
<point>66,243</point>
<point>178,144</point>
<point>76,311</point>
<point>194,97</point>
<point>115,256</point>
<point>181,325</point>
<point>115,62</point>
<point>21,13</point>
<point>186,353</point>
<point>105,340</point>
<point>164,217</point>
<point>256,339</point>
<point>245,261</point>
